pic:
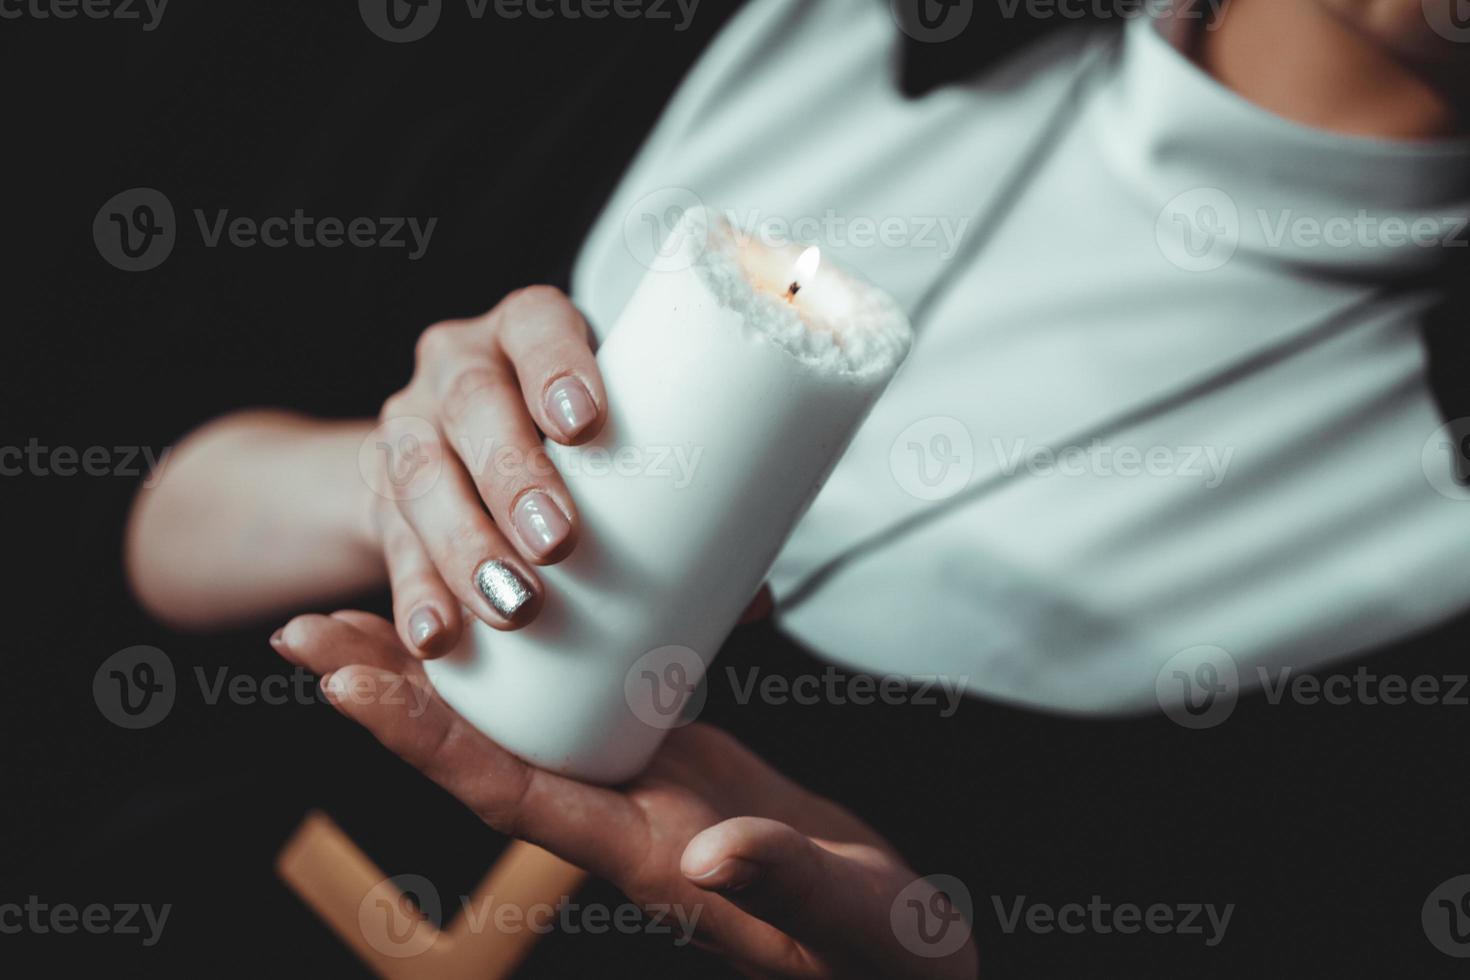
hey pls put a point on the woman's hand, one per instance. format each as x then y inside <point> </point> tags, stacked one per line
<point>262,512</point>
<point>467,500</point>
<point>787,883</point>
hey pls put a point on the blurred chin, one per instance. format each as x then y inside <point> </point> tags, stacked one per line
<point>1433,35</point>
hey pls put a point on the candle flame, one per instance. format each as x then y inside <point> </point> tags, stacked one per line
<point>806,270</point>
<point>806,266</point>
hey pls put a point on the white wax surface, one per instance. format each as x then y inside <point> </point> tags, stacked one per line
<point>763,395</point>
<point>838,322</point>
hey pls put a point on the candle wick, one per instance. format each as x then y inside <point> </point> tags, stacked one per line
<point>792,290</point>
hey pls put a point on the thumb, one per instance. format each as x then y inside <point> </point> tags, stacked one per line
<point>767,868</point>
<point>835,904</point>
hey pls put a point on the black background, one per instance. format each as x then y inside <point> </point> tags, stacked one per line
<point>1326,826</point>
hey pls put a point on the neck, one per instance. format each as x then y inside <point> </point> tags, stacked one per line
<point>1301,62</point>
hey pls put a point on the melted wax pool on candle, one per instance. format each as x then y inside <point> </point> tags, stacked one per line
<point>836,322</point>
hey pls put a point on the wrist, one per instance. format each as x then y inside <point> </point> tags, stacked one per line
<point>363,505</point>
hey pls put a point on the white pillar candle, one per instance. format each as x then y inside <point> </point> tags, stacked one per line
<point>754,392</point>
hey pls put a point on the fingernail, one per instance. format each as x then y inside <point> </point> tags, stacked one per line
<point>540,523</point>
<point>278,638</point>
<point>502,586</point>
<point>570,404</point>
<point>331,689</point>
<point>423,625</point>
<point>730,875</point>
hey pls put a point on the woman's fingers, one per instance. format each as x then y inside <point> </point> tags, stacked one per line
<point>425,610</point>
<point>591,827</point>
<point>473,557</point>
<point>548,343</point>
<point>775,873</point>
<point>838,906</point>
<point>323,644</point>
<point>369,679</point>
<point>482,416</point>
<point>374,626</point>
<point>480,389</point>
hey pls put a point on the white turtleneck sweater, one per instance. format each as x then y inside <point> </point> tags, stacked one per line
<point>1164,393</point>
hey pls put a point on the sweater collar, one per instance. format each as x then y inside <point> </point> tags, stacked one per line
<point>1209,161</point>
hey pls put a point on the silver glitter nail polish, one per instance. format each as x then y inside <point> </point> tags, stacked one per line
<point>502,586</point>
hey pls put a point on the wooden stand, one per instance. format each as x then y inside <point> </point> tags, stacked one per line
<point>382,926</point>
